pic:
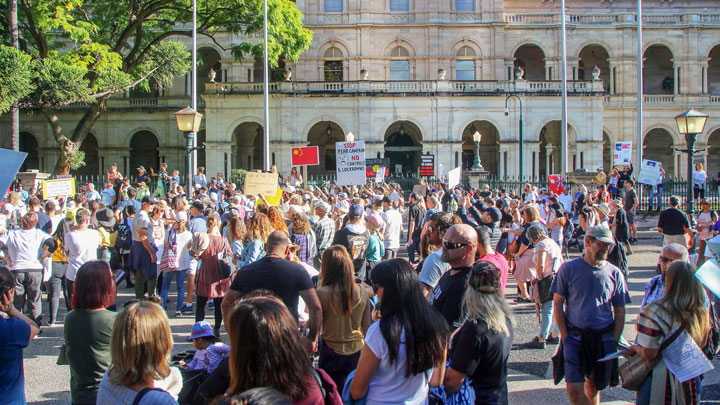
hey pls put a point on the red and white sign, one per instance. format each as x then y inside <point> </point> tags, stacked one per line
<point>305,156</point>
<point>350,158</point>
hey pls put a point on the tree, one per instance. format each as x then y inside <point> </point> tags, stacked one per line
<point>86,51</point>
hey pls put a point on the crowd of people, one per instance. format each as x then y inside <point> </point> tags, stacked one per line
<point>318,308</point>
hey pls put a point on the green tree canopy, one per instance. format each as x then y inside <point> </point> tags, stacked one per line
<point>87,50</point>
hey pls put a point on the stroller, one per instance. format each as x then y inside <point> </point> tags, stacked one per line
<point>191,378</point>
<point>574,235</point>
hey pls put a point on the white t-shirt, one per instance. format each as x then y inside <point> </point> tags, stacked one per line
<point>183,239</point>
<point>566,200</point>
<point>81,247</point>
<point>24,247</point>
<point>393,227</point>
<point>302,314</point>
<point>699,178</point>
<point>388,384</point>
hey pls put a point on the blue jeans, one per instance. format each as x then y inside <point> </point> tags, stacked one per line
<point>546,320</point>
<point>655,194</point>
<point>167,279</point>
<point>645,391</point>
<point>412,249</point>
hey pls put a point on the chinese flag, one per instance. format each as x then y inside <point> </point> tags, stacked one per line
<point>305,156</point>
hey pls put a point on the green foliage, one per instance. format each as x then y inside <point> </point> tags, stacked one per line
<point>237,176</point>
<point>59,82</point>
<point>76,160</point>
<point>16,76</point>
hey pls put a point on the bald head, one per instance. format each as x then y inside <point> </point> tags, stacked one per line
<point>459,246</point>
<point>670,253</point>
<point>277,243</point>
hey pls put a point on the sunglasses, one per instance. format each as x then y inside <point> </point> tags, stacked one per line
<point>454,245</point>
<point>664,259</point>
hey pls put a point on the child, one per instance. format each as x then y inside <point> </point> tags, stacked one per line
<point>210,350</point>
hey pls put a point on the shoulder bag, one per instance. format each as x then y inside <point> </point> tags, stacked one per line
<point>636,369</point>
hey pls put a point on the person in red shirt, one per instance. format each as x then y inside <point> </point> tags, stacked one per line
<point>487,254</point>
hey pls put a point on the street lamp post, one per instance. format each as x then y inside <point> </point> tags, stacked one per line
<point>188,122</point>
<point>507,113</point>
<point>691,123</point>
<point>476,163</point>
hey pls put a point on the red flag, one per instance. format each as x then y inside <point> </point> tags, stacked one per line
<point>305,156</point>
<point>556,183</point>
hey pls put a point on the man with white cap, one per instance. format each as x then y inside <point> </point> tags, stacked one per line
<point>324,229</point>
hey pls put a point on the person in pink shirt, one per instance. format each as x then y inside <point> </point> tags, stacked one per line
<point>486,253</point>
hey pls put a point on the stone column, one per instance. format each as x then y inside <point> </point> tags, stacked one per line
<point>549,166</point>
<point>215,157</point>
<point>680,160</point>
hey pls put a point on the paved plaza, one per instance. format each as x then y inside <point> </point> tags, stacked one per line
<point>529,377</point>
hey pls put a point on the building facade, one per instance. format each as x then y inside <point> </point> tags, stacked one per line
<point>421,76</point>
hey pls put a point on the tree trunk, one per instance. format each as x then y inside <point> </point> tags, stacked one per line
<point>62,165</point>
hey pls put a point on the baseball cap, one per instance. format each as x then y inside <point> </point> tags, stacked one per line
<point>601,234</point>
<point>375,219</point>
<point>343,206</point>
<point>494,213</point>
<point>600,167</point>
<point>356,211</point>
<point>181,216</point>
<point>7,207</point>
<point>148,199</point>
<point>484,277</point>
<point>140,168</point>
<point>323,206</point>
<point>201,329</point>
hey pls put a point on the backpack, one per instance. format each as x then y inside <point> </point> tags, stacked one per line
<point>169,259</point>
<point>124,236</point>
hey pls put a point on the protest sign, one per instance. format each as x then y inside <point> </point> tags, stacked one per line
<point>427,165</point>
<point>350,163</point>
<point>380,175</point>
<point>709,276</point>
<point>454,177</point>
<point>441,171</point>
<point>623,153</point>
<point>58,188</point>
<point>10,162</point>
<point>272,200</point>
<point>260,183</point>
<point>372,165</point>
<point>649,172</point>
<point>305,156</point>
<point>556,183</point>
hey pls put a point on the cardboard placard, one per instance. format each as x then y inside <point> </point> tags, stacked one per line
<point>260,183</point>
<point>58,188</point>
<point>454,177</point>
<point>350,157</point>
<point>380,176</point>
<point>649,172</point>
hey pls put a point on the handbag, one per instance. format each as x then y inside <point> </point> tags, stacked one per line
<point>635,370</point>
<point>225,266</point>
<point>543,288</point>
<point>62,359</point>
<point>169,259</point>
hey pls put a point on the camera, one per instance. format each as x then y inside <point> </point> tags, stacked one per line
<point>507,112</point>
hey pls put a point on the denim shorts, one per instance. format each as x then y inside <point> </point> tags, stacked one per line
<point>571,351</point>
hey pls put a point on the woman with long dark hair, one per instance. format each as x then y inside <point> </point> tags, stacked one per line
<point>88,328</point>
<point>346,314</point>
<point>404,352</point>
<point>59,268</point>
<point>267,351</point>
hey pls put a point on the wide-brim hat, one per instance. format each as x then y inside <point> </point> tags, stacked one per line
<point>105,217</point>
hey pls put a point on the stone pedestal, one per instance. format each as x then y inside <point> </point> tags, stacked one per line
<point>477,177</point>
<point>581,178</point>
<point>32,178</point>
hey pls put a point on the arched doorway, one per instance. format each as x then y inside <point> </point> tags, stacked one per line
<point>532,59</point>
<point>713,155</point>
<point>608,147</point>
<point>92,159</point>
<point>550,158</point>
<point>144,151</point>
<point>248,146</point>
<point>324,134</point>
<point>210,61</point>
<point>713,72</point>
<point>591,56</point>
<point>658,71</point>
<point>403,147</point>
<point>29,145</point>
<point>489,146</point>
<point>658,146</point>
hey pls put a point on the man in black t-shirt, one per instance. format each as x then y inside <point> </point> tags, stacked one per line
<point>286,279</point>
<point>674,224</point>
<point>631,203</point>
<point>458,250</point>
<point>356,239</point>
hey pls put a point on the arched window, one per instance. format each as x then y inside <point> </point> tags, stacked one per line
<point>333,6</point>
<point>465,65</point>
<point>464,5</point>
<point>333,69</point>
<point>399,64</point>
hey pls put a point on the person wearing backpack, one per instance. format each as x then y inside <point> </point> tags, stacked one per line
<point>123,243</point>
<point>175,260</point>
